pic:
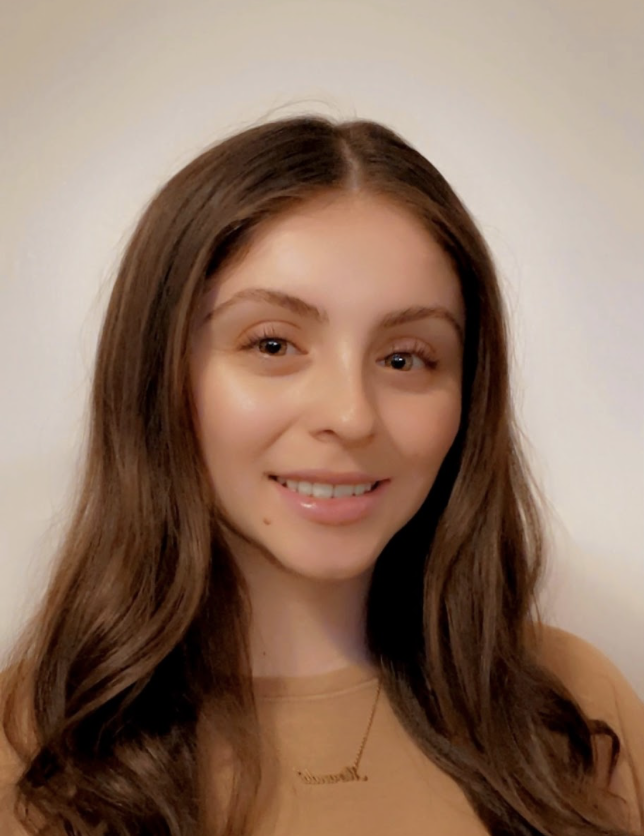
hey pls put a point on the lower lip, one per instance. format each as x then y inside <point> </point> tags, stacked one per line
<point>340,511</point>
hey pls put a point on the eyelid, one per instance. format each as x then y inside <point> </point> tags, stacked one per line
<point>271,330</point>
<point>267,330</point>
<point>263,332</point>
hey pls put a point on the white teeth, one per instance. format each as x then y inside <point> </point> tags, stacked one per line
<point>300,487</point>
<point>324,491</point>
<point>348,490</point>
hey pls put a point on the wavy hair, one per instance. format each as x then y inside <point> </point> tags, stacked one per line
<point>143,630</point>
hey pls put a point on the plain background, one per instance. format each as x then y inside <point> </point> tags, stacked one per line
<point>533,110</point>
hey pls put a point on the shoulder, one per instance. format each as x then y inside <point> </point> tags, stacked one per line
<point>604,693</point>
<point>591,676</point>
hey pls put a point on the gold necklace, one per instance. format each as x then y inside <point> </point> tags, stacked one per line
<point>349,773</point>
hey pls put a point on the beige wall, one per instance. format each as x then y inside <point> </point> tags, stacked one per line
<point>532,109</point>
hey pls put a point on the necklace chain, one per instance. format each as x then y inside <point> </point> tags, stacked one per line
<point>349,773</point>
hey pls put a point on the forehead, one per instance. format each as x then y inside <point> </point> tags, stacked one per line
<point>344,248</point>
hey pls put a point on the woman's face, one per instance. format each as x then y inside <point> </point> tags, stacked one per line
<point>330,385</point>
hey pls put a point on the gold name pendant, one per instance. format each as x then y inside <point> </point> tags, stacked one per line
<point>349,773</point>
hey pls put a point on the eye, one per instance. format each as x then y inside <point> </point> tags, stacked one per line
<point>268,343</point>
<point>267,336</point>
<point>416,349</point>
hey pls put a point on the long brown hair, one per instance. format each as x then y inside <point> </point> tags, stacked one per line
<point>143,630</point>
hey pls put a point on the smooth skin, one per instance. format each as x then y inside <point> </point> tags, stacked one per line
<point>343,394</point>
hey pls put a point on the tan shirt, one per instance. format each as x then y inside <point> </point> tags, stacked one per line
<point>319,722</point>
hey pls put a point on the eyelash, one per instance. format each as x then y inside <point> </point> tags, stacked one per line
<point>269,333</point>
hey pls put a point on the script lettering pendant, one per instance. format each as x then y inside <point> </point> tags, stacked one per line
<point>349,773</point>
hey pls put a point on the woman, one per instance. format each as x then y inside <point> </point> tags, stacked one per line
<point>297,595</point>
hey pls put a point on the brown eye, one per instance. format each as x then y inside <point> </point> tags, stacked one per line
<point>267,339</point>
<point>400,356</point>
<point>415,350</point>
<point>271,344</point>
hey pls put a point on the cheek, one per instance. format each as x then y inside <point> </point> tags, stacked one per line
<point>426,431</point>
<point>233,418</point>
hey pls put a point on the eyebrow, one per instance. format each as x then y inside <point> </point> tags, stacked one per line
<point>305,309</point>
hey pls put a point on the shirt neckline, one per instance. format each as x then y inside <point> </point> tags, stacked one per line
<point>330,683</point>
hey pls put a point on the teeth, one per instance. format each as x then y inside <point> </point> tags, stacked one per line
<point>324,491</point>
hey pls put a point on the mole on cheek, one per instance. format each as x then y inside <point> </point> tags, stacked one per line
<point>266,522</point>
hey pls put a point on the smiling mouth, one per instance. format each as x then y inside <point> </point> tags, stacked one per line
<point>320,490</point>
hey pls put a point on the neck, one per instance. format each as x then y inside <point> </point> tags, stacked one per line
<point>303,626</point>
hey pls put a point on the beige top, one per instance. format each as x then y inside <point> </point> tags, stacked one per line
<point>320,721</point>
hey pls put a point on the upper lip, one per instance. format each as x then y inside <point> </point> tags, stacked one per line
<point>328,477</point>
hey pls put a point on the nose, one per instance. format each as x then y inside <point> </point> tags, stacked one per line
<point>343,402</point>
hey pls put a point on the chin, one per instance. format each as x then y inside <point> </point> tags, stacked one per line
<point>327,570</point>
